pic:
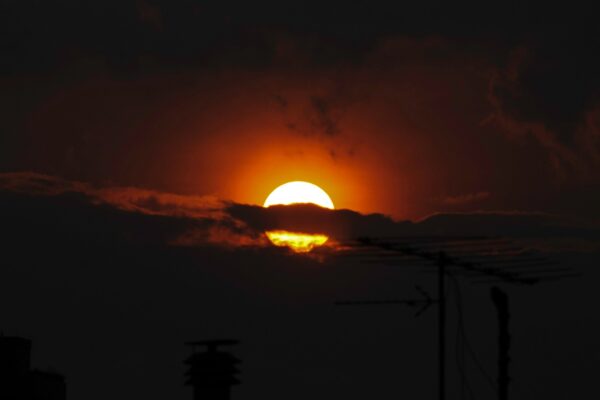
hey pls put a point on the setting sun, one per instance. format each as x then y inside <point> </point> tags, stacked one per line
<point>298,192</point>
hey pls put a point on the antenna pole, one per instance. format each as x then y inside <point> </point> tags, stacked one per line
<point>500,300</point>
<point>441,326</point>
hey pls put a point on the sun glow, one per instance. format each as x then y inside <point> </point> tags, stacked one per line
<point>298,192</point>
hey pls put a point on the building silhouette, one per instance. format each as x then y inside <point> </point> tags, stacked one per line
<point>18,381</point>
<point>212,372</point>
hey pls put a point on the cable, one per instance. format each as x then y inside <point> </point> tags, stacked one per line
<point>465,339</point>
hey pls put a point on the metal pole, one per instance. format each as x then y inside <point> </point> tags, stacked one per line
<point>500,300</point>
<point>441,327</point>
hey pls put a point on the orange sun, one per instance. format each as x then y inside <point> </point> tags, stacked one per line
<point>294,193</point>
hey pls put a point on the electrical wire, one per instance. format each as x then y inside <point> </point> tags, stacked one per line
<point>465,341</point>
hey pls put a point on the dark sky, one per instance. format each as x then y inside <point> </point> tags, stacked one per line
<point>139,138</point>
<point>405,109</point>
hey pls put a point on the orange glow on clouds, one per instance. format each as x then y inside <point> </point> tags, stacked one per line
<point>294,193</point>
<point>298,242</point>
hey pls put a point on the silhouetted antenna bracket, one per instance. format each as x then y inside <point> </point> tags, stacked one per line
<point>424,302</point>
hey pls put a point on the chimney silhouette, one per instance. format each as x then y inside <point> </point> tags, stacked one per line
<point>212,372</point>
<point>18,381</point>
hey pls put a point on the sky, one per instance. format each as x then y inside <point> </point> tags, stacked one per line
<point>406,111</point>
<point>139,139</point>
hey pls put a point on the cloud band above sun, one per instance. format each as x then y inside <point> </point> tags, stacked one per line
<point>48,207</point>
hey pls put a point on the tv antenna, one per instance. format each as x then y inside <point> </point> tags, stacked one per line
<point>480,259</point>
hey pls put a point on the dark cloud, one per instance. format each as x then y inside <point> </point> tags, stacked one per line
<point>320,116</point>
<point>348,225</point>
<point>132,35</point>
<point>41,208</point>
<point>150,14</point>
<point>550,89</point>
<point>466,198</point>
<point>137,216</point>
<point>324,119</point>
<point>124,198</point>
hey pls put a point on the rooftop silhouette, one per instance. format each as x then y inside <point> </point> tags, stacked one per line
<point>18,381</point>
